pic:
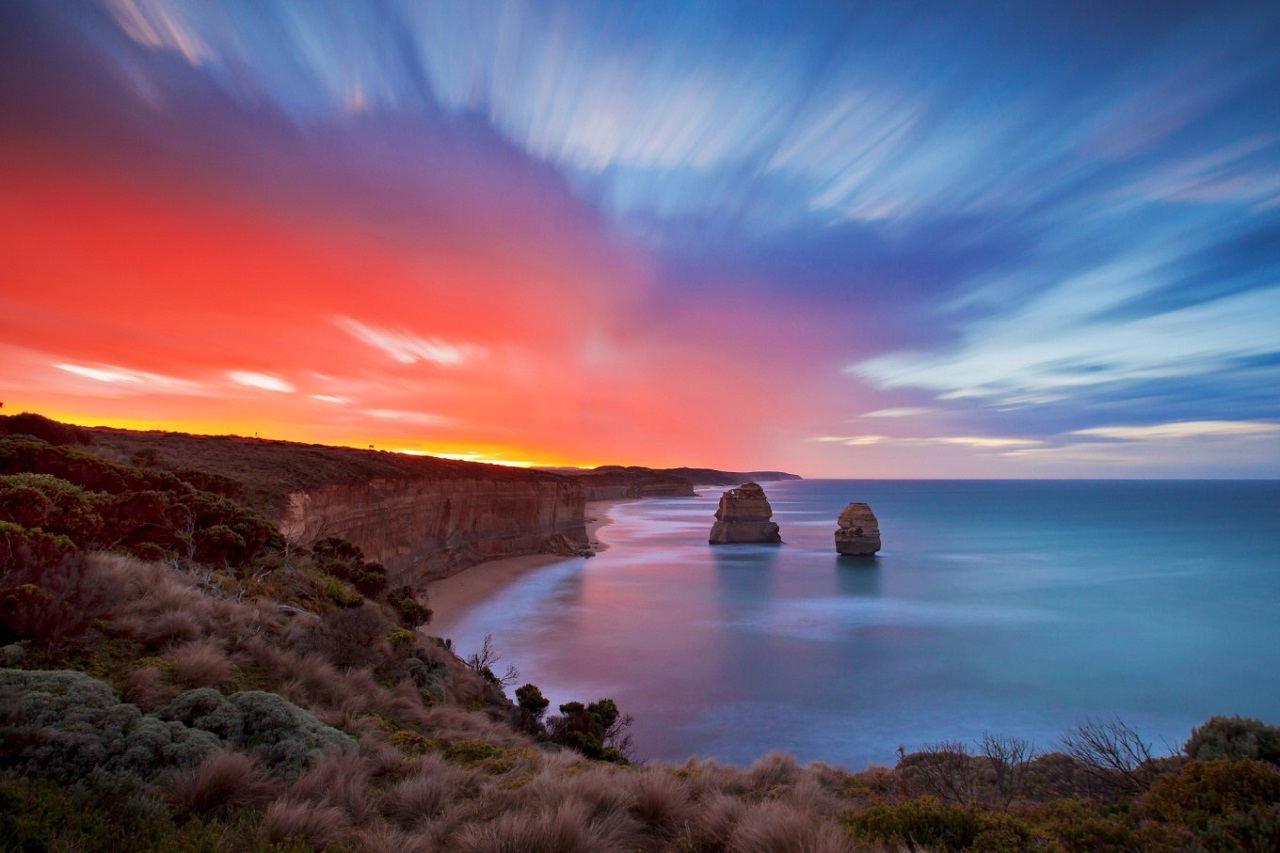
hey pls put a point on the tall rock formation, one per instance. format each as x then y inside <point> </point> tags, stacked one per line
<point>744,516</point>
<point>859,532</point>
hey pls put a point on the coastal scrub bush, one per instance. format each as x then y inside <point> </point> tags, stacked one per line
<point>532,705</point>
<point>1222,804</point>
<point>1113,753</point>
<point>409,609</point>
<point>597,730</point>
<point>82,731</point>
<point>46,430</point>
<point>1234,737</point>
<point>52,504</point>
<point>944,771</point>
<point>926,823</point>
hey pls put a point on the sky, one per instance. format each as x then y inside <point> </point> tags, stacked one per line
<point>880,239</point>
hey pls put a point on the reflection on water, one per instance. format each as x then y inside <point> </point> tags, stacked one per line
<point>1008,607</point>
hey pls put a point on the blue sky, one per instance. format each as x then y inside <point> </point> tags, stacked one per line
<point>980,239</point>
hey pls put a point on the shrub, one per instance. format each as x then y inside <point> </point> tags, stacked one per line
<point>596,730</point>
<point>1113,753</point>
<point>1234,737</point>
<point>52,504</point>
<point>925,822</point>
<point>284,737</point>
<point>47,593</point>
<point>1216,800</point>
<point>83,729</point>
<point>352,637</point>
<point>38,426</point>
<point>411,612</point>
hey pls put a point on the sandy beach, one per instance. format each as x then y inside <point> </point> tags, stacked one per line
<point>451,597</point>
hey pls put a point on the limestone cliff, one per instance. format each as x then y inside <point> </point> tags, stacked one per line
<point>859,531</point>
<point>615,482</point>
<point>428,528</point>
<point>744,515</point>
<point>422,517</point>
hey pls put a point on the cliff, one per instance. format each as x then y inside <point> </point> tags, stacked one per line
<point>744,516</point>
<point>423,518</point>
<point>615,482</point>
<point>859,532</point>
<point>713,477</point>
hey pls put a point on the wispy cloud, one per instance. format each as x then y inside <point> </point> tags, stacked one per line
<point>977,442</point>
<point>426,419</point>
<point>1068,339</point>
<point>900,412</point>
<point>263,381</point>
<point>408,348</point>
<point>1179,430</point>
<point>139,379</point>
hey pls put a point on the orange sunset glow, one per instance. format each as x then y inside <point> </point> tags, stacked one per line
<point>579,241</point>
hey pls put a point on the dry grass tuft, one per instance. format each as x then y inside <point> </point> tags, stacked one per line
<point>773,826</point>
<point>422,796</point>
<point>568,828</point>
<point>774,770</point>
<point>660,801</point>
<point>168,627</point>
<point>388,839</point>
<point>337,781</point>
<point>200,663</point>
<point>146,688</point>
<point>223,782</point>
<point>301,821</point>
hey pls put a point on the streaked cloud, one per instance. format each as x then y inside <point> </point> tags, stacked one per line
<point>264,381</point>
<point>408,348</point>
<point>1183,430</point>
<point>140,380</point>
<point>900,412</point>
<point>330,398</point>
<point>977,442</point>
<point>423,419</point>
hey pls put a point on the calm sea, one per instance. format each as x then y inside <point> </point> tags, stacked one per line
<point>1015,607</point>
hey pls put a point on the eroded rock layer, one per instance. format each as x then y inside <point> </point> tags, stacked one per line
<point>744,516</point>
<point>422,529</point>
<point>859,531</point>
<point>424,518</point>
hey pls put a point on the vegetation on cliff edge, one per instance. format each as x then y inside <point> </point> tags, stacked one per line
<point>172,678</point>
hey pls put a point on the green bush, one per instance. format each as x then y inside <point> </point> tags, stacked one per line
<point>1234,737</point>
<point>409,610</point>
<point>73,728</point>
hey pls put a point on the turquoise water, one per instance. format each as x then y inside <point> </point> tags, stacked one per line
<point>1015,607</point>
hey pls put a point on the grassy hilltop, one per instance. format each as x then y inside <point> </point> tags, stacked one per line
<point>174,676</point>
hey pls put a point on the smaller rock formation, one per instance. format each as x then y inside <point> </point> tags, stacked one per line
<point>744,516</point>
<point>859,533</point>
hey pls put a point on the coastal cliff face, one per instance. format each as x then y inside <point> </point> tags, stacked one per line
<point>423,518</point>
<point>425,529</point>
<point>611,483</point>
<point>859,532</point>
<point>744,515</point>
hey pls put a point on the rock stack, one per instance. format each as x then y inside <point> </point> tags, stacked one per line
<point>859,533</point>
<point>744,516</point>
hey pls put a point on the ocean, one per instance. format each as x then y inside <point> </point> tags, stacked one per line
<point>1011,607</point>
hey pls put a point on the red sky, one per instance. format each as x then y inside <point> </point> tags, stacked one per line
<point>886,245</point>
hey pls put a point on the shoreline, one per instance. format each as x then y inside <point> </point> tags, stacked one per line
<point>450,598</point>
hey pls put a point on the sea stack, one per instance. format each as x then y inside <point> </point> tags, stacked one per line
<point>859,533</point>
<point>744,516</point>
